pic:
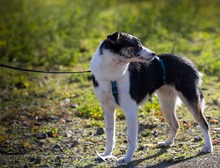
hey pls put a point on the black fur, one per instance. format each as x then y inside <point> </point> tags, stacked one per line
<point>145,78</point>
<point>95,82</point>
<point>118,41</point>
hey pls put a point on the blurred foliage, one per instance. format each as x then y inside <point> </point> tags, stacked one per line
<point>66,32</point>
<point>63,34</point>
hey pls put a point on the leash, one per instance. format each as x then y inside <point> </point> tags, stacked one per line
<point>113,83</point>
<point>41,71</point>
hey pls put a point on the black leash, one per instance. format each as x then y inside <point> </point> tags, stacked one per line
<point>41,71</point>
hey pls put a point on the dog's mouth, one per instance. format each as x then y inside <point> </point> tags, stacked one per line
<point>146,55</point>
<point>144,59</point>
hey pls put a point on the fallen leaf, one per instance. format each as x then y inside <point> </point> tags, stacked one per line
<point>158,113</point>
<point>214,121</point>
<point>216,141</point>
<point>55,132</point>
<point>26,144</point>
<point>94,140</point>
<point>2,138</point>
<point>35,128</point>
<point>163,119</point>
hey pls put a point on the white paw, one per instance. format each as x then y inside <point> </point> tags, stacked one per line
<point>124,160</point>
<point>164,144</point>
<point>207,149</point>
<point>105,157</point>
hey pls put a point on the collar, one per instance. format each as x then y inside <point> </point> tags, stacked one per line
<point>163,69</point>
<point>115,91</point>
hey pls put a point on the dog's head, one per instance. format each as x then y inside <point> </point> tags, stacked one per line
<point>126,48</point>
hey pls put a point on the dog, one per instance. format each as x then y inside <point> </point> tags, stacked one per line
<point>137,72</point>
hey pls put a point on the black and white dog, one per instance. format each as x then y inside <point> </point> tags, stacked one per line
<point>137,72</point>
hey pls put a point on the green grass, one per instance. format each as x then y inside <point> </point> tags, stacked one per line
<point>63,35</point>
<point>67,32</point>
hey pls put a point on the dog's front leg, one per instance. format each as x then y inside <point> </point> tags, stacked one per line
<point>132,128</point>
<point>109,117</point>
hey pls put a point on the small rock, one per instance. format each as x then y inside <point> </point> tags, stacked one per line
<point>181,144</point>
<point>197,139</point>
<point>141,128</point>
<point>58,164</point>
<point>125,141</point>
<point>20,85</point>
<point>25,166</point>
<point>40,143</point>
<point>67,101</point>
<point>150,126</point>
<point>3,162</point>
<point>50,134</point>
<point>41,135</point>
<point>58,159</point>
<point>9,131</point>
<point>38,160</point>
<point>62,121</point>
<point>57,148</point>
<point>217,130</point>
<point>140,148</point>
<point>155,133</point>
<point>68,120</point>
<point>37,123</point>
<point>31,159</point>
<point>73,105</point>
<point>74,143</point>
<point>100,131</point>
<point>69,133</point>
<point>43,166</point>
<point>50,118</point>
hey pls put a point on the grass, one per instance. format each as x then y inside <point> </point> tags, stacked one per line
<point>62,35</point>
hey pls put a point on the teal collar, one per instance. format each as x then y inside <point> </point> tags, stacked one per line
<point>115,91</point>
<point>163,69</point>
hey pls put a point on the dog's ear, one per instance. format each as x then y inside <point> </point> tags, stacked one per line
<point>114,36</point>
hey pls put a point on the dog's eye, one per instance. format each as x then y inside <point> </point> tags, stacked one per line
<point>137,48</point>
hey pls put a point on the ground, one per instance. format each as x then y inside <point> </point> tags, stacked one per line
<point>47,132</point>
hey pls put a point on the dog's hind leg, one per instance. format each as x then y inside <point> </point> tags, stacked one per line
<point>167,97</point>
<point>195,103</point>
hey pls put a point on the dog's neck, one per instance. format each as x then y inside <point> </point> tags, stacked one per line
<point>106,66</point>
